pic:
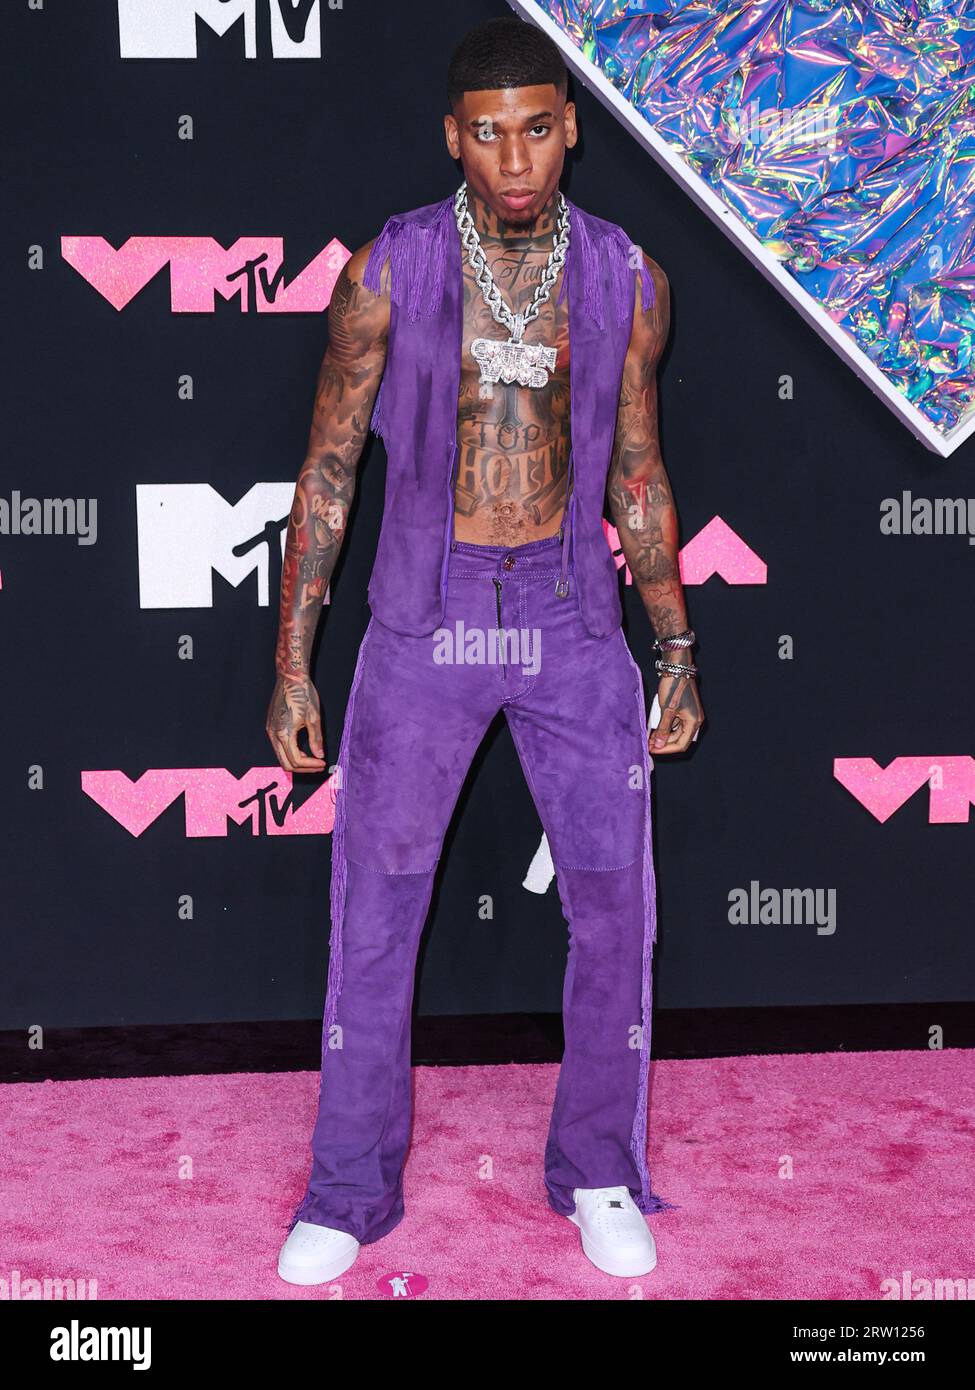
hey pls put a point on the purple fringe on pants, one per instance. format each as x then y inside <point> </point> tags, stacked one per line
<point>339,864</point>
<point>648,1201</point>
<point>337,889</point>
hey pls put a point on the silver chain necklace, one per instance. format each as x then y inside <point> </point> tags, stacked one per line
<point>527,363</point>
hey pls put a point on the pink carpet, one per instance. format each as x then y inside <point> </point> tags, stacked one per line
<point>879,1145</point>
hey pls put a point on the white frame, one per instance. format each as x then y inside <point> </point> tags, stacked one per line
<point>732,225</point>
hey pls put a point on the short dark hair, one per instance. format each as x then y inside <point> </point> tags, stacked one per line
<point>506,52</point>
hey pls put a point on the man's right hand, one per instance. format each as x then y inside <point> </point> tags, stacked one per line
<point>294,706</point>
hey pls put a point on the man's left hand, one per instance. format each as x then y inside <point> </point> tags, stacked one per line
<point>682,715</point>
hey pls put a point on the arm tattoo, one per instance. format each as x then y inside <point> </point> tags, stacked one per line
<point>348,382</point>
<point>639,490</point>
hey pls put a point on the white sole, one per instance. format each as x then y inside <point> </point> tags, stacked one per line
<point>307,1277</point>
<point>610,1261</point>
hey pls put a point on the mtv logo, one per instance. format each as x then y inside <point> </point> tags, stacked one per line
<point>186,531</point>
<point>167,28</point>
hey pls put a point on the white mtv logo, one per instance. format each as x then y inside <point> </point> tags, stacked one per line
<point>187,530</point>
<point>167,28</point>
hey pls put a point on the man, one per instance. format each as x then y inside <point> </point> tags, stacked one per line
<point>516,339</point>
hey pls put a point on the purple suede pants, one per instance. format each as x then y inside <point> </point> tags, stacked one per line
<point>416,715</point>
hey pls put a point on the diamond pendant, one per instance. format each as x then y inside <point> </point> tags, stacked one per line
<point>527,363</point>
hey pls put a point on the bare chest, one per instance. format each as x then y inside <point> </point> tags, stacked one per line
<point>513,440</point>
<point>517,275</point>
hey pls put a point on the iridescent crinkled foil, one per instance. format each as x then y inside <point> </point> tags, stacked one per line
<point>842,136</point>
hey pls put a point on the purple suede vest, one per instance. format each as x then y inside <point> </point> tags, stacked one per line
<point>416,409</point>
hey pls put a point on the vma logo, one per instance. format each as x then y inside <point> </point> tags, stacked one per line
<point>186,531</point>
<point>250,271</point>
<point>168,28</point>
<point>884,790</point>
<point>263,798</point>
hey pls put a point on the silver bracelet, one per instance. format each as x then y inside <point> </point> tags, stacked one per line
<point>687,638</point>
<point>673,668</point>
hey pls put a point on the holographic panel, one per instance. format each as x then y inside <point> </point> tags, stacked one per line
<point>840,136</point>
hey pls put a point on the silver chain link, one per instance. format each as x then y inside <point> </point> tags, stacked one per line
<point>515,323</point>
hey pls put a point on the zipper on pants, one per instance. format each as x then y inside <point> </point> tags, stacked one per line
<point>497,586</point>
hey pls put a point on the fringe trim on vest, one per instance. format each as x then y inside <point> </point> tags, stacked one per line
<point>378,422</point>
<point>417,258</point>
<point>584,251</point>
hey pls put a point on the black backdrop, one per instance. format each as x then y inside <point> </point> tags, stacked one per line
<point>313,149</point>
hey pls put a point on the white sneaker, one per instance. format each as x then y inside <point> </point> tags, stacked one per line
<point>615,1235</point>
<point>315,1254</point>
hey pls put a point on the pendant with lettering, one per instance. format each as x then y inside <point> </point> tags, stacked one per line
<point>527,363</point>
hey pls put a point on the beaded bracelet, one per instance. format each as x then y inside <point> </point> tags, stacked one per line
<point>672,668</point>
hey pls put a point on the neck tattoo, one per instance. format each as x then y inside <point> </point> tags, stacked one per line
<point>527,363</point>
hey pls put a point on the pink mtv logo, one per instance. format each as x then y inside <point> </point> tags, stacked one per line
<point>212,797</point>
<point>884,790</point>
<point>716,549</point>
<point>200,268</point>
